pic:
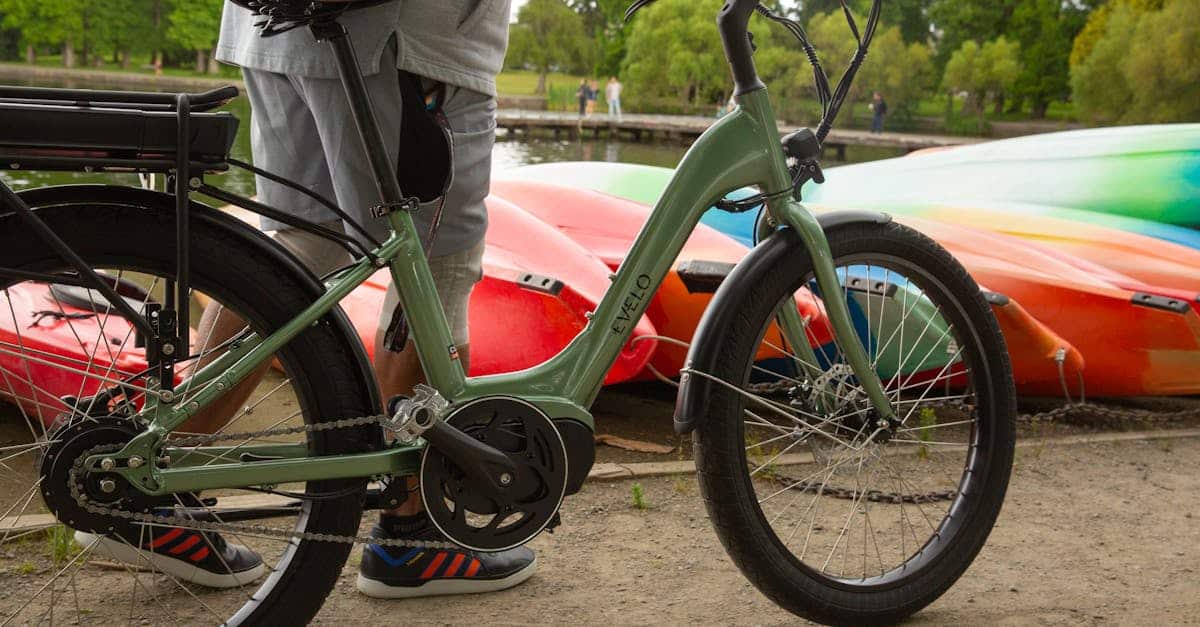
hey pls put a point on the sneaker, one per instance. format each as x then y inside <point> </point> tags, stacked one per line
<point>398,572</point>
<point>202,558</point>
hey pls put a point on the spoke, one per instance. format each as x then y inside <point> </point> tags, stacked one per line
<point>21,343</point>
<point>938,425</point>
<point>153,568</point>
<point>52,579</point>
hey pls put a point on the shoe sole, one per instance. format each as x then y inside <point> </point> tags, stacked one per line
<point>440,587</point>
<point>179,569</point>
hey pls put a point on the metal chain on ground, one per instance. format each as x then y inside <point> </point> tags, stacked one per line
<point>874,496</point>
<point>186,522</point>
<point>1115,413</point>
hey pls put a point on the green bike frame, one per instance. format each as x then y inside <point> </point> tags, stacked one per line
<point>741,149</point>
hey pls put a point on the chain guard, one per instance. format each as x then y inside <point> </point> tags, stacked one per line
<point>481,521</point>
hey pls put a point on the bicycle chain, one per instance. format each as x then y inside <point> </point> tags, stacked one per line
<point>233,528</point>
<point>875,496</point>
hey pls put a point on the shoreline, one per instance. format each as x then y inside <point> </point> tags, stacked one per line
<point>21,71</point>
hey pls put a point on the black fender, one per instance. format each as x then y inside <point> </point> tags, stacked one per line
<point>238,231</point>
<point>692,402</point>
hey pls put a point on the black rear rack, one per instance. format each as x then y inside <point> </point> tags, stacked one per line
<point>97,131</point>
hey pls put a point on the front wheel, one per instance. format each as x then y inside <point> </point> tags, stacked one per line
<point>831,516</point>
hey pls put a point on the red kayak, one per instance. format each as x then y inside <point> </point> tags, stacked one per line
<point>537,288</point>
<point>50,349</point>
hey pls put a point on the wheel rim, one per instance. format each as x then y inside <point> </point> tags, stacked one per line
<point>871,506</point>
<point>50,575</point>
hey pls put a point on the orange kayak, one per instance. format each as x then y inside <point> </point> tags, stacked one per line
<point>607,225</point>
<point>1135,343</point>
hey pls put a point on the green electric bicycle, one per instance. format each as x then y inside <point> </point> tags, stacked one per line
<point>848,388</point>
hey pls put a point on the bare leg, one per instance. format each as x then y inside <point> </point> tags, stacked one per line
<point>216,326</point>
<point>399,373</point>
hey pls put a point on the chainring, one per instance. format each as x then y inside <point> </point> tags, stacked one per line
<point>471,516</point>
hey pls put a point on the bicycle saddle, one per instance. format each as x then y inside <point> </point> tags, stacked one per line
<point>285,15</point>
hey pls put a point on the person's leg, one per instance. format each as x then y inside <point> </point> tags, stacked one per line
<point>617,104</point>
<point>283,141</point>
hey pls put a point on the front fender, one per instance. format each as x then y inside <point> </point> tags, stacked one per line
<point>692,402</point>
<point>240,231</point>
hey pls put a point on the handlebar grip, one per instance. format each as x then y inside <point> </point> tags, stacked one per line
<point>733,22</point>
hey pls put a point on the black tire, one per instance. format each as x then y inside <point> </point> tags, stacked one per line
<point>321,362</point>
<point>721,457</point>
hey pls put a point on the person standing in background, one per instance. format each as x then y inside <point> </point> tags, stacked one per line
<point>584,96</point>
<point>612,93</point>
<point>879,109</point>
<point>593,95</point>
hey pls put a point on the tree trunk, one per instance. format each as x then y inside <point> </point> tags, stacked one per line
<point>30,54</point>
<point>201,61</point>
<point>125,59</point>
<point>68,54</point>
<point>214,67</point>
<point>1038,110</point>
<point>998,107</point>
<point>541,85</point>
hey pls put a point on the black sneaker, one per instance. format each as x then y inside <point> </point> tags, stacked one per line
<point>396,572</point>
<point>202,558</point>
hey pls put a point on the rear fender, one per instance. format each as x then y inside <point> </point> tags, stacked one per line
<point>237,230</point>
<point>692,403</point>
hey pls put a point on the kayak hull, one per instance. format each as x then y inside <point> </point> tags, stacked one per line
<point>1130,349</point>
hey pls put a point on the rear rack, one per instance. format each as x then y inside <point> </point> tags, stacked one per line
<point>97,131</point>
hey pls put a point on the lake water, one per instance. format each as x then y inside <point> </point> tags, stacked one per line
<point>509,152</point>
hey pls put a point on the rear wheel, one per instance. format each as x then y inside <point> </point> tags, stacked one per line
<point>53,346</point>
<point>830,515</point>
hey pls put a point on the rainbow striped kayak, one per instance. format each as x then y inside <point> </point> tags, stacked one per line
<point>1118,247</point>
<point>1146,172</point>
<point>1097,310</point>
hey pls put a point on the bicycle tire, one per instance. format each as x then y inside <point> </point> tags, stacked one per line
<point>321,360</point>
<point>720,447</point>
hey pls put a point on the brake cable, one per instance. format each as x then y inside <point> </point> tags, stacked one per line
<point>831,103</point>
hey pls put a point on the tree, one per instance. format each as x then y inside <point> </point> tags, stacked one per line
<point>1045,30</point>
<point>123,26</point>
<point>1142,69</point>
<point>674,51</point>
<point>990,70</point>
<point>195,24</point>
<point>956,22</point>
<point>47,23</point>
<point>548,35</point>
<point>899,71</point>
<point>605,20</point>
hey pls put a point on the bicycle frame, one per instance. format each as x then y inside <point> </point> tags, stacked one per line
<point>741,149</point>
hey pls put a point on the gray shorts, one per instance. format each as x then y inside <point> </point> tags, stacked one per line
<point>455,275</point>
<point>302,129</point>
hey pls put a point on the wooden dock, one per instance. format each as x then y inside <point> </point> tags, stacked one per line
<point>647,127</point>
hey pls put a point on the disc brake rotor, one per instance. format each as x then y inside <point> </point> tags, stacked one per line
<point>471,516</point>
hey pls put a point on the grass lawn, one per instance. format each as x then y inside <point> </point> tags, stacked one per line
<point>524,82</point>
<point>138,64</point>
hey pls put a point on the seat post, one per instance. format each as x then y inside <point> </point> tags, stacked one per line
<point>361,107</point>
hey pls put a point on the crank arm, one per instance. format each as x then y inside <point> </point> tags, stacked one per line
<point>493,470</point>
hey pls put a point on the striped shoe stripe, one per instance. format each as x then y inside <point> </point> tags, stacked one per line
<point>185,545</point>
<point>433,566</point>
<point>454,564</point>
<point>472,568</point>
<point>199,555</point>
<point>166,537</point>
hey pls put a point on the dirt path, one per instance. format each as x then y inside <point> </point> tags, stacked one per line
<point>1091,534</point>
